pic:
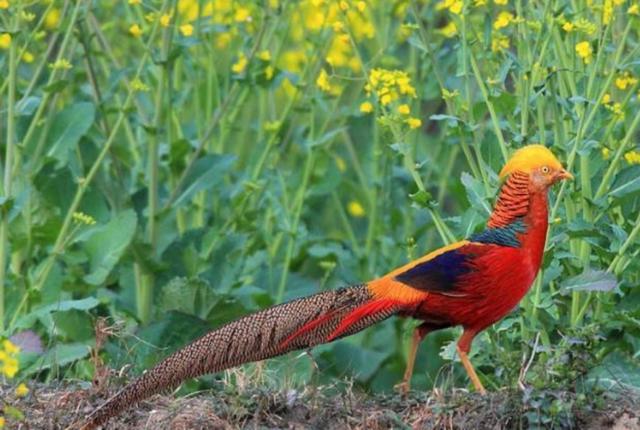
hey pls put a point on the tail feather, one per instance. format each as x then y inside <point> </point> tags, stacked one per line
<point>376,309</point>
<point>298,324</point>
<point>309,327</point>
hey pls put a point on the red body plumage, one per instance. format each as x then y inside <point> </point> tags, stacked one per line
<point>501,278</point>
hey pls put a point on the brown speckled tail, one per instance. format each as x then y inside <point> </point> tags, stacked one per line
<point>251,338</point>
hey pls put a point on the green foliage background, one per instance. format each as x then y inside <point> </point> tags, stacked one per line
<point>179,178</point>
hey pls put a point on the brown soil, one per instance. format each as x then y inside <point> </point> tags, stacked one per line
<point>56,407</point>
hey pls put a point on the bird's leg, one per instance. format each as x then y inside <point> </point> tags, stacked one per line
<point>418,334</point>
<point>464,345</point>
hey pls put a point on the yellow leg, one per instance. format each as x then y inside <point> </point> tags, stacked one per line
<point>418,334</point>
<point>464,344</point>
<point>471,372</point>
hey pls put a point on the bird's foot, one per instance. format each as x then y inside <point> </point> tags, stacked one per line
<point>402,388</point>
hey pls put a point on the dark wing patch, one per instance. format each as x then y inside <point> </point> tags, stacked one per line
<point>438,275</point>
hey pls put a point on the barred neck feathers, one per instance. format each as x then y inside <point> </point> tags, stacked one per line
<point>507,219</point>
<point>513,201</point>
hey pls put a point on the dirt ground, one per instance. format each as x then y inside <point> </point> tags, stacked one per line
<point>57,407</point>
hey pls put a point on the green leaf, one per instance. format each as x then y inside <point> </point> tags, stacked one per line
<point>180,295</point>
<point>616,370</point>
<point>421,198</point>
<point>74,325</point>
<point>59,355</point>
<point>27,106</point>
<point>172,332</point>
<point>105,247</point>
<point>361,361</point>
<point>592,280</point>
<point>69,125</point>
<point>475,192</point>
<point>206,172</point>
<point>29,319</point>
<point>628,182</point>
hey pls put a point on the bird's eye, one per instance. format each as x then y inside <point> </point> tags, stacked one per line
<point>545,169</point>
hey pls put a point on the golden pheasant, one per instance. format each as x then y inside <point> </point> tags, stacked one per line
<point>472,283</point>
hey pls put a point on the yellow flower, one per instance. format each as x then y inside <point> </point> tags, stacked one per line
<point>448,30</point>
<point>503,20</point>
<point>616,109</point>
<point>585,26</point>
<point>165,20</point>
<point>272,126</point>
<point>52,19</point>
<point>268,72</point>
<point>83,218</point>
<point>4,4</point>
<point>21,390</point>
<point>2,422</point>
<point>501,2</point>
<point>323,81</point>
<point>361,6</point>
<point>607,11</point>
<point>9,347</point>
<point>634,9</point>
<point>264,55</point>
<point>366,107</point>
<point>389,85</point>
<point>625,81</point>
<point>138,85</point>
<point>27,57</point>
<point>135,30</point>
<point>568,26</point>
<point>242,14</point>
<point>186,30</point>
<point>606,153</point>
<point>454,6</point>
<point>344,5</point>
<point>606,99</point>
<point>5,40</point>
<point>355,209</point>
<point>499,42</point>
<point>10,367</point>
<point>447,95</point>
<point>28,16</point>
<point>584,51</point>
<point>632,157</point>
<point>61,64</point>
<point>134,2</point>
<point>240,65</point>
<point>223,40</point>
<point>413,122</point>
<point>404,109</point>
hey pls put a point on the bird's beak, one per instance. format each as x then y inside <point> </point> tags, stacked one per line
<point>563,174</point>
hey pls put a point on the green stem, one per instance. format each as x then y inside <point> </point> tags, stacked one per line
<point>297,212</point>
<point>144,293</point>
<point>8,166</point>
<point>492,111</point>
<point>53,77</point>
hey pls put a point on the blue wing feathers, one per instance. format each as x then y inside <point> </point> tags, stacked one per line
<point>438,274</point>
<point>503,236</point>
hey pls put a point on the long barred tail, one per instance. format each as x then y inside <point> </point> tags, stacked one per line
<point>298,324</point>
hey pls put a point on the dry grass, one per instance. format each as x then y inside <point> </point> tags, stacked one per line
<point>326,407</point>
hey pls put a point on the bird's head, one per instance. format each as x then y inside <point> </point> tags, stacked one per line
<point>542,167</point>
